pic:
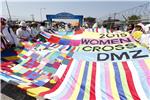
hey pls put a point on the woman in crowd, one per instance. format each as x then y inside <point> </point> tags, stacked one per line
<point>34,29</point>
<point>116,29</point>
<point>130,28</point>
<point>43,28</point>
<point>145,38</point>
<point>8,37</point>
<point>141,34</point>
<point>138,31</point>
<point>23,33</point>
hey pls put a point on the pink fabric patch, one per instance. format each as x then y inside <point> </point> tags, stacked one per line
<point>74,42</point>
<point>56,65</point>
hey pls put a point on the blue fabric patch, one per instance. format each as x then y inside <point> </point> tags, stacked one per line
<point>65,61</point>
<point>34,56</point>
<point>9,52</point>
<point>39,83</point>
<point>61,33</point>
<point>70,54</point>
<point>64,41</point>
<point>49,65</point>
<point>19,61</point>
<point>53,56</point>
<point>60,57</point>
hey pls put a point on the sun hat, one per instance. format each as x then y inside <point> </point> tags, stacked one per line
<point>141,25</point>
<point>3,20</point>
<point>22,23</point>
<point>33,23</point>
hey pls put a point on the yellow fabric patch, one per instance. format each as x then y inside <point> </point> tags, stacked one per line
<point>26,80</point>
<point>90,35</point>
<point>137,35</point>
<point>36,91</point>
<point>24,52</point>
<point>23,86</point>
<point>65,37</point>
<point>64,55</point>
<point>52,81</point>
<point>11,58</point>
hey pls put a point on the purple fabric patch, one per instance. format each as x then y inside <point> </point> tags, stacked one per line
<point>33,75</point>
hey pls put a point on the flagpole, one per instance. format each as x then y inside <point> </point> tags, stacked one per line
<point>8,10</point>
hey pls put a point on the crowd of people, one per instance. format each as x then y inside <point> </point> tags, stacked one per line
<point>12,36</point>
<point>140,32</point>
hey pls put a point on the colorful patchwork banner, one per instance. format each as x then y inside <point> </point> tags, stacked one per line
<point>97,67</point>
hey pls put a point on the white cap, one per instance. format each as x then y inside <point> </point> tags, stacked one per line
<point>22,23</point>
<point>142,25</point>
<point>147,27</point>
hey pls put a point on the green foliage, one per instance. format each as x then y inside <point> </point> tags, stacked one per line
<point>90,21</point>
<point>134,19</point>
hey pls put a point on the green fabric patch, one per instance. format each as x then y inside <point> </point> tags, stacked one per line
<point>49,69</point>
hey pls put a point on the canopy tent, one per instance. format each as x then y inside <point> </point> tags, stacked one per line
<point>65,15</point>
<point>98,66</point>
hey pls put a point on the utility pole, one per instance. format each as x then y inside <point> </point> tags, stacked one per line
<point>115,16</point>
<point>32,16</point>
<point>41,13</point>
<point>8,10</point>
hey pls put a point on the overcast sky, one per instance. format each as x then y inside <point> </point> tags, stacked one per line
<point>24,9</point>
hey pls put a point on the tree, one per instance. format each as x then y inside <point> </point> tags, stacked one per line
<point>109,23</point>
<point>134,19</point>
<point>90,21</point>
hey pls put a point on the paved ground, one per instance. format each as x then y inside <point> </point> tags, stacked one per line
<point>5,97</point>
<point>11,92</point>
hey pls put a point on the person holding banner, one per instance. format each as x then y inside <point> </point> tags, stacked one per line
<point>34,29</point>
<point>130,28</point>
<point>145,38</point>
<point>43,28</point>
<point>8,37</point>
<point>138,31</point>
<point>116,29</point>
<point>23,33</point>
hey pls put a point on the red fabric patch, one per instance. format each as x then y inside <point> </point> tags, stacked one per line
<point>93,78</point>
<point>4,66</point>
<point>79,31</point>
<point>27,73</point>
<point>31,64</point>
<point>54,39</point>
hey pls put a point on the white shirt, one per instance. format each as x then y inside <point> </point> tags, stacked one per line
<point>10,36</point>
<point>117,31</point>
<point>34,31</point>
<point>102,30</point>
<point>23,33</point>
<point>95,25</point>
<point>42,29</point>
<point>145,39</point>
